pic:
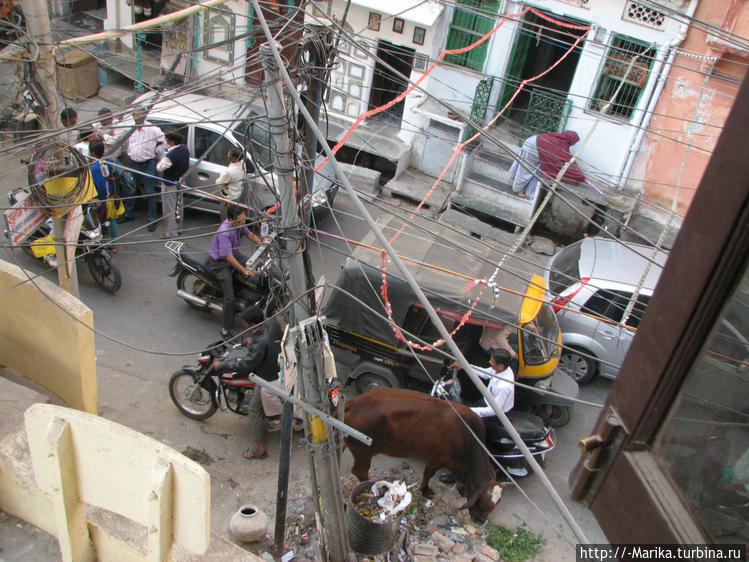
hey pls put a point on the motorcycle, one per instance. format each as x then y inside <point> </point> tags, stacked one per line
<point>198,286</point>
<point>89,246</point>
<point>538,437</point>
<point>199,391</point>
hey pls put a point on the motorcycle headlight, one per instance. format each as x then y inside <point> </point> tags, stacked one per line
<point>93,234</point>
<point>319,198</point>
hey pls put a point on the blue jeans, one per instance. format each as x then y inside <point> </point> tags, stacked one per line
<point>149,184</point>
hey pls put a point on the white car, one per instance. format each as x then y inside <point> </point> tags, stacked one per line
<point>210,127</point>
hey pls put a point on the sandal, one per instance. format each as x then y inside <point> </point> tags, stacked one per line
<point>253,453</point>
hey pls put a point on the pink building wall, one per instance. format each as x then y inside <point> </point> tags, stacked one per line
<point>693,106</point>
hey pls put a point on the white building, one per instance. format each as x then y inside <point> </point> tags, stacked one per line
<point>618,41</point>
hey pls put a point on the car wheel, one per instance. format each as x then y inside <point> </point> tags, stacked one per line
<point>560,416</point>
<point>368,381</point>
<point>582,368</point>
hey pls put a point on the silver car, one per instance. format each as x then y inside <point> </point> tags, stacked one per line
<point>591,283</point>
<point>210,127</point>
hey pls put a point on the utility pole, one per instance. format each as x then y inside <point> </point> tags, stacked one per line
<point>45,73</point>
<point>307,331</point>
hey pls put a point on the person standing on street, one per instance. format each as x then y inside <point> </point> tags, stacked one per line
<point>225,258</point>
<point>263,349</point>
<point>173,166</point>
<point>69,120</point>
<point>105,177</point>
<point>146,142</point>
<point>230,181</point>
<point>113,134</point>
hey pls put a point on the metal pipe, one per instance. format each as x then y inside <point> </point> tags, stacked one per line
<point>198,301</point>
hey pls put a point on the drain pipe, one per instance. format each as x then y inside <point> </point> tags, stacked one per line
<point>663,72</point>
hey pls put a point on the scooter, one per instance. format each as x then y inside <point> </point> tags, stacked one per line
<point>89,246</point>
<point>538,437</point>
<point>199,287</point>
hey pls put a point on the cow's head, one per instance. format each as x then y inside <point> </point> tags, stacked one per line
<point>483,501</point>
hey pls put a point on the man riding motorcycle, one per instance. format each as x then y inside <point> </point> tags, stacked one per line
<point>263,349</point>
<point>225,257</point>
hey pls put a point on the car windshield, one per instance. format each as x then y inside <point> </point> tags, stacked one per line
<point>538,337</point>
<point>565,269</point>
<point>254,134</point>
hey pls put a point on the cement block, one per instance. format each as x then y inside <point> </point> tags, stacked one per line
<point>444,544</point>
<point>489,552</point>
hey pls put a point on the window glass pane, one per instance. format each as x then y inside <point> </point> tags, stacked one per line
<point>602,304</point>
<point>538,337</point>
<point>210,152</point>
<point>565,269</point>
<point>704,443</point>
<point>254,133</point>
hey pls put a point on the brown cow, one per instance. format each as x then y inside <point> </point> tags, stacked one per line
<point>405,423</point>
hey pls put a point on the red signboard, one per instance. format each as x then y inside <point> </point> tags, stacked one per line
<point>22,219</point>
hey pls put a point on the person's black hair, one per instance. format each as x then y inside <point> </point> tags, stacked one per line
<point>105,111</point>
<point>176,138</point>
<point>68,113</point>
<point>85,133</point>
<point>233,211</point>
<point>501,357</point>
<point>253,316</point>
<point>96,148</point>
<point>235,154</point>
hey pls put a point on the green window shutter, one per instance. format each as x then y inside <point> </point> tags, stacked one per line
<point>467,26</point>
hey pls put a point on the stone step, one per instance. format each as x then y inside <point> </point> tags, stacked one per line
<point>497,159</point>
<point>492,197</point>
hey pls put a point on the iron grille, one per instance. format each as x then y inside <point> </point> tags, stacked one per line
<point>628,64</point>
<point>547,113</point>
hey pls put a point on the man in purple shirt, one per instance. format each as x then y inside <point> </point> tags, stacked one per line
<point>225,258</point>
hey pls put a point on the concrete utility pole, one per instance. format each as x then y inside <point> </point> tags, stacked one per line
<point>308,335</point>
<point>45,73</point>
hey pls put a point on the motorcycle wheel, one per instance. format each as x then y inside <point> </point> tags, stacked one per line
<point>191,399</point>
<point>191,283</point>
<point>104,272</point>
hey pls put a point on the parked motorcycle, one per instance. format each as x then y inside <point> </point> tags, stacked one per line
<point>198,286</point>
<point>201,390</point>
<point>89,246</point>
<point>538,437</point>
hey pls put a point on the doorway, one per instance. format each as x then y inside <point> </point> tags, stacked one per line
<point>386,84</point>
<point>538,44</point>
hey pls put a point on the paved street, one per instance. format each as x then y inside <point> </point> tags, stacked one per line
<point>145,332</point>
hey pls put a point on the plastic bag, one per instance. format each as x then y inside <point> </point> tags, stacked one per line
<point>396,498</point>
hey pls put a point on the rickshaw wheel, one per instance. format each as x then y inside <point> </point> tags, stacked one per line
<point>368,381</point>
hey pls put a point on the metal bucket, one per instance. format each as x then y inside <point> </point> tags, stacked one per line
<point>366,536</point>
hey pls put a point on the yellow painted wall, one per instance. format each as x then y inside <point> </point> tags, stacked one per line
<point>46,337</point>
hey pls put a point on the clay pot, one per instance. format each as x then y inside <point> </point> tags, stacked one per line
<point>248,524</point>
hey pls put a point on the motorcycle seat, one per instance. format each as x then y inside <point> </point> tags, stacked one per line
<point>196,258</point>
<point>528,425</point>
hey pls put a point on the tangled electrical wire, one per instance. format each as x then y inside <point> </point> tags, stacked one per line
<point>57,160</point>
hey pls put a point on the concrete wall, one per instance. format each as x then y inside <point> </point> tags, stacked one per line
<point>160,497</point>
<point>46,337</point>
<point>692,109</point>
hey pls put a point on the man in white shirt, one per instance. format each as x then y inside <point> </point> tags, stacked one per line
<point>231,180</point>
<point>144,145</point>
<point>500,376</point>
